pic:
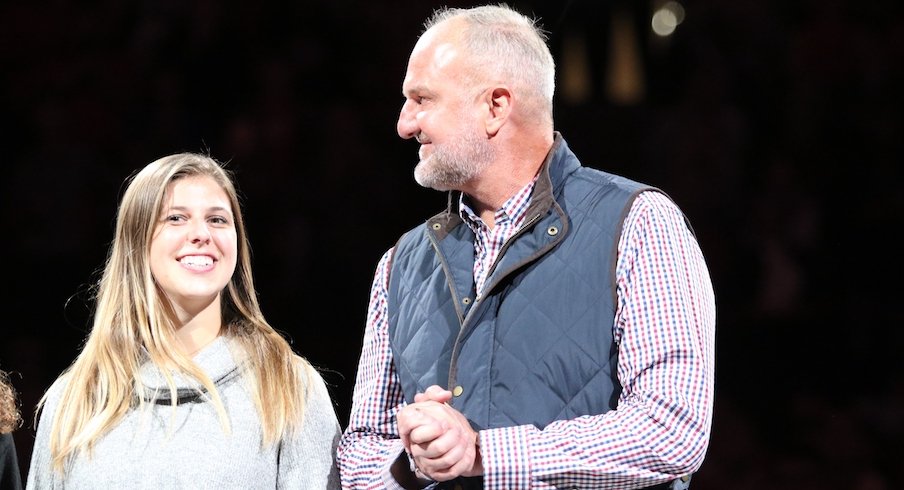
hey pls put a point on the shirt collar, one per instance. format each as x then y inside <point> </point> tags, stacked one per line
<point>513,209</point>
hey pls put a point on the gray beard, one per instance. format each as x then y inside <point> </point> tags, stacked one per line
<point>451,166</point>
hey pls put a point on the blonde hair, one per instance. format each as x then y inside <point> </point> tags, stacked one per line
<point>10,419</point>
<point>134,322</point>
<point>503,42</point>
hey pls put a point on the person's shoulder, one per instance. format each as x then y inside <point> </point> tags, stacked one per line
<point>314,387</point>
<point>56,388</point>
<point>655,201</point>
<point>604,178</point>
<point>309,375</point>
<point>52,396</point>
<point>655,206</point>
<point>416,230</point>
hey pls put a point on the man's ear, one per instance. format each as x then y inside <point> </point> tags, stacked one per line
<point>499,101</point>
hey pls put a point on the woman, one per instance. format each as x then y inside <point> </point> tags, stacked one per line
<point>182,382</point>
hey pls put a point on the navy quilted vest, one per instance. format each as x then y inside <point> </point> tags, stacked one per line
<point>537,345</point>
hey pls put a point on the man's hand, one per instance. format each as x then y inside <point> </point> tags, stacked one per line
<point>439,438</point>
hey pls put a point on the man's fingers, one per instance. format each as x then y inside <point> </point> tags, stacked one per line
<point>447,456</point>
<point>434,393</point>
<point>446,465</point>
<point>425,433</point>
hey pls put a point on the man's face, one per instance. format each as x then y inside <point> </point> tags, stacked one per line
<point>443,113</point>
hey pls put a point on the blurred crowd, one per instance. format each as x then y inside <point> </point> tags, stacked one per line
<point>775,125</point>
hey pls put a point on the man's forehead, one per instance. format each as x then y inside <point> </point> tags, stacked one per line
<point>444,55</point>
<point>437,49</point>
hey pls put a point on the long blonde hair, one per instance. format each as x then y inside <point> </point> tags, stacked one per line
<point>134,322</point>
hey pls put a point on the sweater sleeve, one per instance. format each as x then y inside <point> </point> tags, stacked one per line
<point>41,474</point>
<point>307,459</point>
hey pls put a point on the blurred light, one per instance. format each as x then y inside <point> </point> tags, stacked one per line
<point>624,71</point>
<point>575,82</point>
<point>666,19</point>
<point>677,9</point>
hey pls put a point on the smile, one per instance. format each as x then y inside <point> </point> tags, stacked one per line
<point>197,262</point>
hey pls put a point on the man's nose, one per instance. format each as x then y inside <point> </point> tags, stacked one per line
<point>407,126</point>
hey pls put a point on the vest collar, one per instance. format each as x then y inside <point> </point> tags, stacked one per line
<point>559,162</point>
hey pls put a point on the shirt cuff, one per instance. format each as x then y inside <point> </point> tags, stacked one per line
<point>389,482</point>
<point>505,454</point>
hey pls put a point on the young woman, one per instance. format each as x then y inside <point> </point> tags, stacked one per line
<point>182,383</point>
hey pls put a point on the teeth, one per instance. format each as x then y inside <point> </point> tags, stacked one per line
<point>197,260</point>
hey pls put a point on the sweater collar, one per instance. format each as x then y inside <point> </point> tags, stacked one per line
<point>217,360</point>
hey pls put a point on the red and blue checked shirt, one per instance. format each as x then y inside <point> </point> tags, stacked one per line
<point>665,299</point>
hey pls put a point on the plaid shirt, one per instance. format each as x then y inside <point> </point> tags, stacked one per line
<point>660,428</point>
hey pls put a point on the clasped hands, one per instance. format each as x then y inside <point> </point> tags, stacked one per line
<point>438,438</point>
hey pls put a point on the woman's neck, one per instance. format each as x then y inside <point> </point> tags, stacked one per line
<point>196,330</point>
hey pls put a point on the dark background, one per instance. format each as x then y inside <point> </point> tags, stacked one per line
<point>775,125</point>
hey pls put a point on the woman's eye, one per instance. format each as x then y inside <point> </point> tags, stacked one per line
<point>219,220</point>
<point>175,218</point>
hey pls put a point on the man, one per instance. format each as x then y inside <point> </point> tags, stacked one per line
<point>554,327</point>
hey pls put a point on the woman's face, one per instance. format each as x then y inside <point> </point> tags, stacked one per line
<point>193,251</point>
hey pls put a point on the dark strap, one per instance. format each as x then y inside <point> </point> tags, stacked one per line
<point>476,483</point>
<point>683,483</point>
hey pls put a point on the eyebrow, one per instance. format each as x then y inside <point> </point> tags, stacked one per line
<point>416,89</point>
<point>212,208</point>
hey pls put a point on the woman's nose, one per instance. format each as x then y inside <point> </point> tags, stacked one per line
<point>200,233</point>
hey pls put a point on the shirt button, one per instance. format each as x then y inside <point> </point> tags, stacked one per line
<point>457,391</point>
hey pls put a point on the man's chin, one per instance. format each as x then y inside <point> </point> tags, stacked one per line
<point>422,175</point>
<point>428,175</point>
<point>430,184</point>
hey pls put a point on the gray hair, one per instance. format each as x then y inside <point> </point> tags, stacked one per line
<point>502,41</point>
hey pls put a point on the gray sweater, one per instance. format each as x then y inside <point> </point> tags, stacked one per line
<point>188,448</point>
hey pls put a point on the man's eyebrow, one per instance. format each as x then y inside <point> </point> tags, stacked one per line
<point>415,89</point>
